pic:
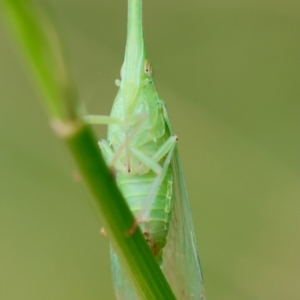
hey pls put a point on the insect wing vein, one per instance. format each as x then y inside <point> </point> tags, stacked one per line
<point>181,264</point>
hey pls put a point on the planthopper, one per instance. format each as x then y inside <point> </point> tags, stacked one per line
<point>141,147</point>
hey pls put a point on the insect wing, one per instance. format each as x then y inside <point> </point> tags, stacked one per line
<point>122,284</point>
<point>181,264</point>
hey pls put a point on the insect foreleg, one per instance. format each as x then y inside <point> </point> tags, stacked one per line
<point>96,119</point>
<point>114,156</point>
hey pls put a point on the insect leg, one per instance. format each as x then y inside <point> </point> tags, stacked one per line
<point>97,119</point>
<point>118,153</point>
<point>146,160</point>
<point>106,150</point>
<point>166,117</point>
<point>109,155</point>
<point>152,162</point>
<point>154,189</point>
<point>165,148</point>
<point>155,186</point>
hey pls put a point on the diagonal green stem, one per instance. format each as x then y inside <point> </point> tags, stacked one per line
<point>108,203</point>
<point>39,42</point>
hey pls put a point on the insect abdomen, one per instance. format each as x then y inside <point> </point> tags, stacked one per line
<point>155,221</point>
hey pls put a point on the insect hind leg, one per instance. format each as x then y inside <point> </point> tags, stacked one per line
<point>153,162</point>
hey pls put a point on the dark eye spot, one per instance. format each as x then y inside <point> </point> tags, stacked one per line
<point>147,67</point>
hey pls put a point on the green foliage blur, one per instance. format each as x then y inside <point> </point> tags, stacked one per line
<point>229,72</point>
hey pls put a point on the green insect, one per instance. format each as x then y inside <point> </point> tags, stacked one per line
<point>141,148</point>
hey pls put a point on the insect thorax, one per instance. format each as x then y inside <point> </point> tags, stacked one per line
<point>141,126</point>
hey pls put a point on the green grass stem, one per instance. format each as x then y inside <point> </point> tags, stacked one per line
<point>42,49</point>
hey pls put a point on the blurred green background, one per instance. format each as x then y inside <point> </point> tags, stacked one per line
<point>229,72</point>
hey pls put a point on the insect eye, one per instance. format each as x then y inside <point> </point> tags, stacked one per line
<point>147,67</point>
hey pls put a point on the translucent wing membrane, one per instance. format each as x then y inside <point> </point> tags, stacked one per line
<point>123,287</point>
<point>181,264</point>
